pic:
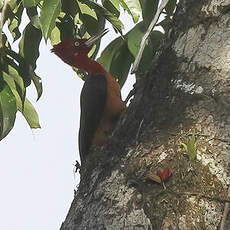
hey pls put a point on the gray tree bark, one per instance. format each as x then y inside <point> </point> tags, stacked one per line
<point>186,91</point>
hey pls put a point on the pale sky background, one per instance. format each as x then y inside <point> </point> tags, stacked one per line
<point>37,166</point>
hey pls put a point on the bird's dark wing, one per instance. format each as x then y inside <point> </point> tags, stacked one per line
<point>93,99</point>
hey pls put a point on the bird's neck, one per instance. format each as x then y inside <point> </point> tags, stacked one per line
<point>89,65</point>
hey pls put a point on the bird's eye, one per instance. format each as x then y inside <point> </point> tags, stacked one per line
<point>76,43</point>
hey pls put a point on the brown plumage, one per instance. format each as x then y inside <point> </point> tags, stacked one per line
<point>101,103</point>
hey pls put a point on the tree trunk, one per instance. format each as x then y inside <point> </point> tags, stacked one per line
<point>185,92</point>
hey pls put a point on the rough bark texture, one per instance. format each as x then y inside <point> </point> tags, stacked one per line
<point>186,91</point>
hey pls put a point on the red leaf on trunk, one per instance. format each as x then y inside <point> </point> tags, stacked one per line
<point>164,174</point>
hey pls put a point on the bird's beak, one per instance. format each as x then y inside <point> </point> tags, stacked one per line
<point>93,39</point>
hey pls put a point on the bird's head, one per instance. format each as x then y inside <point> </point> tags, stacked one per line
<point>71,49</point>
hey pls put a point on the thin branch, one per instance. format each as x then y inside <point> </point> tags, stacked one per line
<point>2,20</point>
<point>139,129</point>
<point>131,93</point>
<point>147,34</point>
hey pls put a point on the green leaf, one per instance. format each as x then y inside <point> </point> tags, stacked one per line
<point>90,23</point>
<point>25,108</point>
<point>23,69</point>
<point>49,12</point>
<point>4,60</point>
<point>15,82</point>
<point>11,83</point>
<point>116,23</point>
<point>107,55</point>
<point>121,64</point>
<point>117,59</point>
<point>170,7</point>
<point>35,21</point>
<point>191,147</point>
<point>14,21</point>
<point>133,7</point>
<point>65,26</point>
<point>156,38</point>
<point>149,9</point>
<point>85,9</point>
<point>38,85</point>
<point>32,13</point>
<point>30,115</point>
<point>113,6</point>
<point>1,3</point>
<point>29,45</point>
<point>13,4</point>
<point>55,36</point>
<point>115,3</point>
<point>185,146</point>
<point>134,38</point>
<point>30,3</point>
<point>70,7</point>
<point>8,110</point>
<point>89,19</point>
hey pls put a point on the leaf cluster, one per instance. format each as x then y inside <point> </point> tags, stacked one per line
<point>56,20</point>
<point>191,147</point>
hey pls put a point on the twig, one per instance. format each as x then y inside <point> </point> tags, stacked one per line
<point>139,129</point>
<point>225,213</point>
<point>2,20</point>
<point>77,166</point>
<point>131,93</point>
<point>145,37</point>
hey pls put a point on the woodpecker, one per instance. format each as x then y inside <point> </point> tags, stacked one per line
<point>100,100</point>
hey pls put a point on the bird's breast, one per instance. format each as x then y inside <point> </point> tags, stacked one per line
<point>112,111</point>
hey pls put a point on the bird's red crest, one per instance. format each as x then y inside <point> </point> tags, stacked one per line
<point>75,53</point>
<point>69,48</point>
